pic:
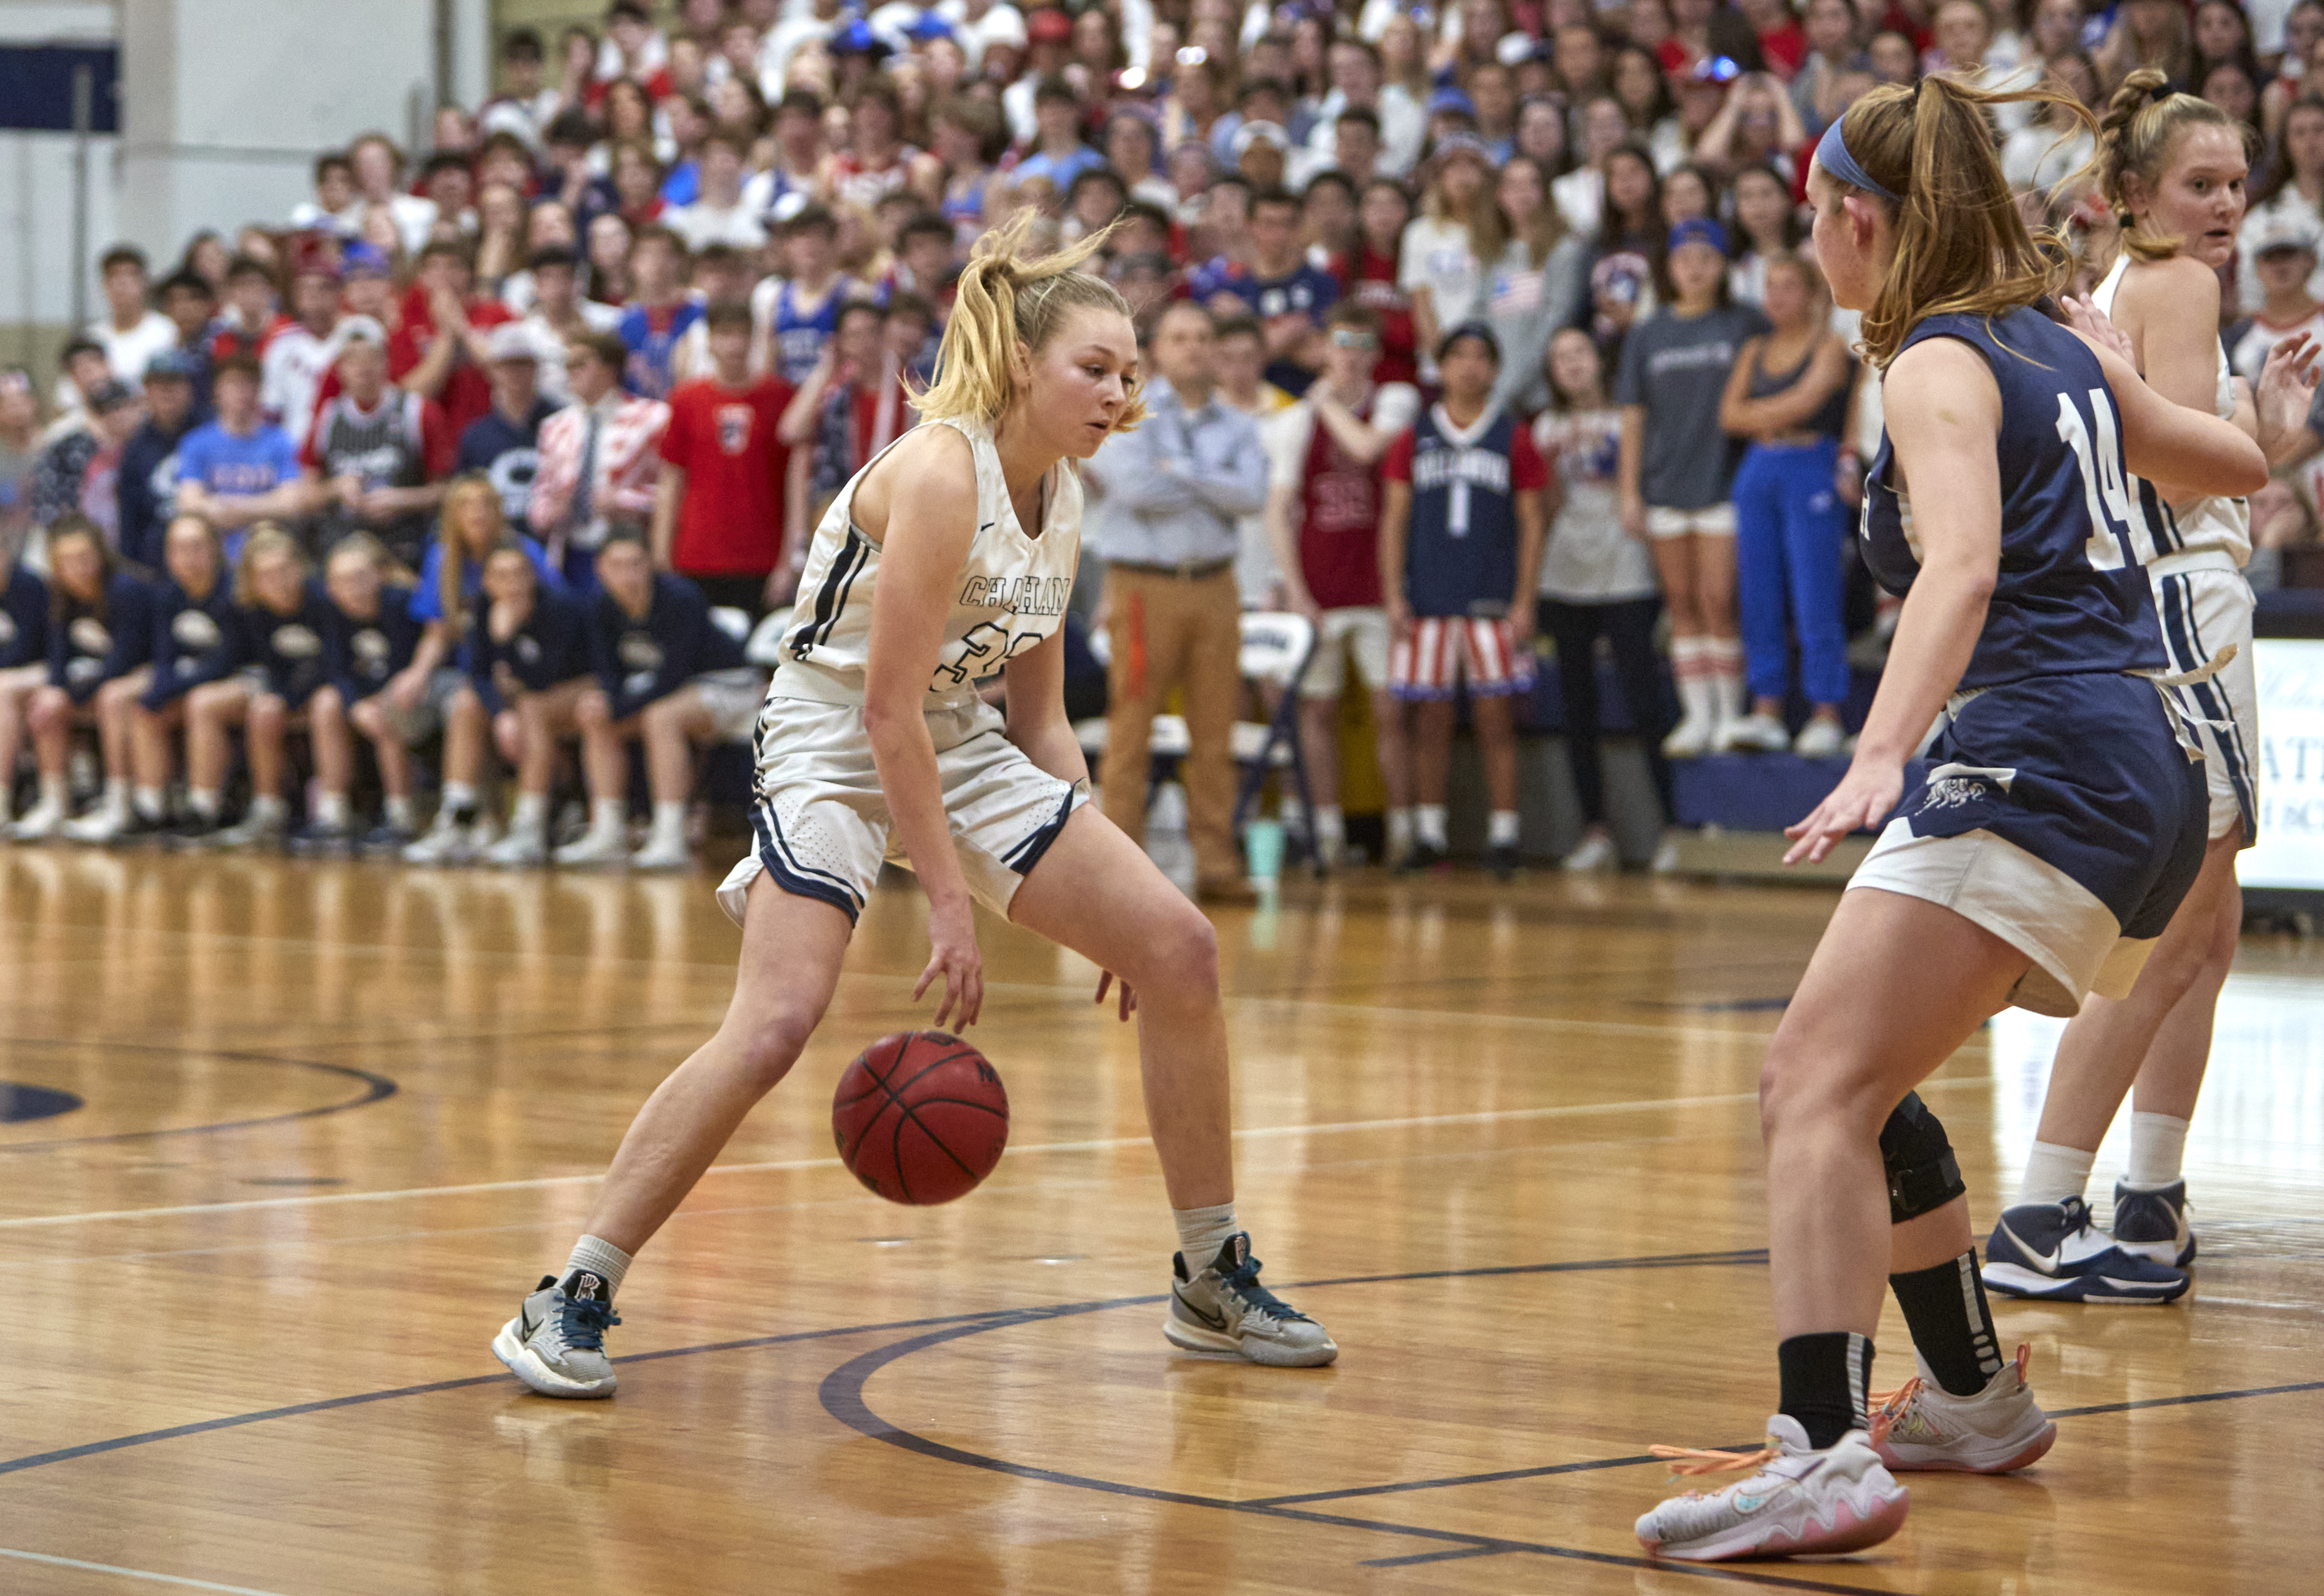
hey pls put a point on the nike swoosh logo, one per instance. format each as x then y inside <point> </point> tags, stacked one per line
<point>2047,1263</point>
<point>1216,1320</point>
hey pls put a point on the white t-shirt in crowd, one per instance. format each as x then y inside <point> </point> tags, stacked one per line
<point>290,375</point>
<point>1437,256</point>
<point>2250,350</point>
<point>127,352</point>
<point>703,224</point>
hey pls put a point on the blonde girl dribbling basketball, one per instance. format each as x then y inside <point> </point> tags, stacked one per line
<point>945,559</point>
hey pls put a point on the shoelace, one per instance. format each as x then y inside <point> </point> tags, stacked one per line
<point>1704,1460</point>
<point>1244,1283</point>
<point>1887,1406</point>
<point>582,1322</point>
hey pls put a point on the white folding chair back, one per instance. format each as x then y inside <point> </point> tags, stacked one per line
<point>765,647</point>
<point>1275,646</point>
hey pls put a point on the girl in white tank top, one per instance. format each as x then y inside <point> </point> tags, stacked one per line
<point>873,746</point>
<point>1012,592</point>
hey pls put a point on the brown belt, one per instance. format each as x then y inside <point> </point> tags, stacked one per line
<point>1192,570</point>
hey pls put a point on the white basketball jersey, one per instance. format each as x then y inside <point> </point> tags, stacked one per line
<point>1012,589</point>
<point>2209,522</point>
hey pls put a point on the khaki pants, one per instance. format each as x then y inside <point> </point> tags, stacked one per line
<point>1171,633</point>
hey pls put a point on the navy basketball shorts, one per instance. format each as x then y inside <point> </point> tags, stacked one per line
<point>2059,814</point>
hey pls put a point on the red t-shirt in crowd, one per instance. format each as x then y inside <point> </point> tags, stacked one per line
<point>1372,280</point>
<point>467,392</point>
<point>730,522</point>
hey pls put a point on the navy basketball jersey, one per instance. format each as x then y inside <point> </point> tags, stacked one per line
<point>1461,550</point>
<point>799,338</point>
<point>2070,597</point>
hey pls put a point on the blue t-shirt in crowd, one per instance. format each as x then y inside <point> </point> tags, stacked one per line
<point>1060,170</point>
<point>225,464</point>
<point>651,347</point>
<point>427,597</point>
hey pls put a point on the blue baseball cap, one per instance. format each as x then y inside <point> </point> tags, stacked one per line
<point>1450,99</point>
<point>1699,230</point>
<point>364,260</point>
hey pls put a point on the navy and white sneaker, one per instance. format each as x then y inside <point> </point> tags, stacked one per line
<point>2153,1225</point>
<point>557,1342</point>
<point>2052,1250</point>
<point>1225,1309</point>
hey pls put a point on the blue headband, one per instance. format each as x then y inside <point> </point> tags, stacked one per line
<point>1831,155</point>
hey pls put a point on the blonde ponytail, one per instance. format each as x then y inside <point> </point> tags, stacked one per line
<point>2142,123</point>
<point>1006,299</point>
<point>1961,246</point>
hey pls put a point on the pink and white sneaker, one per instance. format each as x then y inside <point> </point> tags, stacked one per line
<point>1921,1425</point>
<point>1797,1501</point>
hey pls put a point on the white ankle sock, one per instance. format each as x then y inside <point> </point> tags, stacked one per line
<point>1428,825</point>
<point>266,805</point>
<point>531,812</point>
<point>1331,826</point>
<point>669,824</point>
<point>608,816</point>
<point>2054,1174</point>
<point>599,1257</point>
<point>400,813</point>
<point>459,796</point>
<point>1201,1232</point>
<point>1400,832</point>
<point>117,796</point>
<point>204,801</point>
<point>151,803</point>
<point>56,791</point>
<point>331,808</point>
<point>1501,829</point>
<point>2158,1143</point>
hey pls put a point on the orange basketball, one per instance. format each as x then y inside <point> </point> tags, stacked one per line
<point>921,1117</point>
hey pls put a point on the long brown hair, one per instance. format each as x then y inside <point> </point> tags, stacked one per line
<point>1008,298</point>
<point>2142,127</point>
<point>264,539</point>
<point>453,570</point>
<point>1961,248</point>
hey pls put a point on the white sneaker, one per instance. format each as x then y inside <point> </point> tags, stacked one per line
<point>42,821</point>
<point>1797,1501</point>
<point>446,843</point>
<point>1223,1308</point>
<point>1751,734</point>
<point>1819,739</point>
<point>667,855</point>
<point>557,1342</point>
<point>523,847</point>
<point>99,826</point>
<point>1921,1426</point>
<point>1596,852</point>
<point>1690,739</point>
<point>599,849</point>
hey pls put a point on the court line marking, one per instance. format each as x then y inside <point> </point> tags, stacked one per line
<point>131,1573</point>
<point>377,1088</point>
<point>956,1325</point>
<point>1337,1127</point>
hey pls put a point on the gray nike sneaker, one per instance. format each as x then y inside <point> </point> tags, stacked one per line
<point>557,1342</point>
<point>1225,1309</point>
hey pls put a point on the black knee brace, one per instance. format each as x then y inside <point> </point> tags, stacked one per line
<point>1923,1176</point>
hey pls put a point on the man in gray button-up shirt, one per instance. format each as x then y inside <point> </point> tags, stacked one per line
<point>1168,496</point>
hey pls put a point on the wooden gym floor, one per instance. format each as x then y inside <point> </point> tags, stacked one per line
<point>337,1117</point>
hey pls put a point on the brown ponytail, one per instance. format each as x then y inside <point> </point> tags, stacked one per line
<point>1006,299</point>
<point>1961,248</point>
<point>2143,124</point>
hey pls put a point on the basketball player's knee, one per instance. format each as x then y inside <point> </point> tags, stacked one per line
<point>1183,956</point>
<point>268,712</point>
<point>593,711</point>
<point>767,1041</point>
<point>1917,1156</point>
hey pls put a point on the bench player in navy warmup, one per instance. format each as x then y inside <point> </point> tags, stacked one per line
<point>2036,851</point>
<point>946,557</point>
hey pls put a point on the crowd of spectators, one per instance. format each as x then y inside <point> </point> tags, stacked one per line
<point>465,455</point>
